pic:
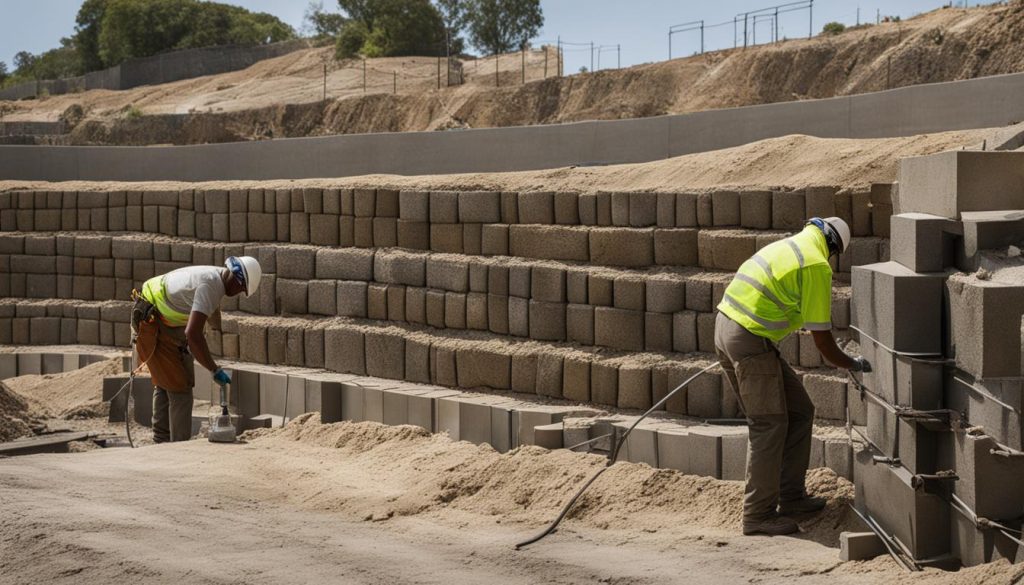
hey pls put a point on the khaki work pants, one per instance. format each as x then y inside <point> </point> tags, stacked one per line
<point>165,351</point>
<point>779,413</point>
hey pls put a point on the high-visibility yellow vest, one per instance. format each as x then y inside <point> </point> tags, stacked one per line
<point>154,291</point>
<point>785,286</point>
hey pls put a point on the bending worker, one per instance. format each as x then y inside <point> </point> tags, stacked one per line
<point>786,286</point>
<point>167,330</point>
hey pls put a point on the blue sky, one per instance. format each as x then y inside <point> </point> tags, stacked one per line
<point>640,27</point>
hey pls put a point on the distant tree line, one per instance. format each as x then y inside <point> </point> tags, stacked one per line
<point>108,32</point>
<point>390,28</point>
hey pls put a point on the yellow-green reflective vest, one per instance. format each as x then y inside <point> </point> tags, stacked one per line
<point>154,291</point>
<point>785,286</point>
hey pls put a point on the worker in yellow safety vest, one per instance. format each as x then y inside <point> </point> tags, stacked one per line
<point>786,286</point>
<point>168,319</point>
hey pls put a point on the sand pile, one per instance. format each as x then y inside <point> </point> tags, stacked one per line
<point>15,420</point>
<point>74,394</point>
<point>425,473</point>
<point>795,161</point>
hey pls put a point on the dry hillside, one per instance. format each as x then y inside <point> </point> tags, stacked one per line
<point>281,97</point>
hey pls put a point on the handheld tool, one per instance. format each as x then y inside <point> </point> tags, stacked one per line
<point>221,429</point>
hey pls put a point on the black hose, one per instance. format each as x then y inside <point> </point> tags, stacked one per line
<point>130,386</point>
<point>611,460</point>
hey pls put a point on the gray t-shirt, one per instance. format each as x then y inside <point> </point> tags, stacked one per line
<point>195,288</point>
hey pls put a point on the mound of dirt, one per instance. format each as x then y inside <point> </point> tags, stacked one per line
<point>15,421</point>
<point>283,97</point>
<point>531,484</point>
<point>73,394</point>
<point>794,162</point>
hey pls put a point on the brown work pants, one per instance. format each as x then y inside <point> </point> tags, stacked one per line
<point>779,413</point>
<point>164,349</point>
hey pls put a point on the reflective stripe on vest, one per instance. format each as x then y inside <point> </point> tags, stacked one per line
<point>154,291</point>
<point>765,295</point>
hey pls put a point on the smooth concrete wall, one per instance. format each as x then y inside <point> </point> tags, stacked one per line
<point>976,103</point>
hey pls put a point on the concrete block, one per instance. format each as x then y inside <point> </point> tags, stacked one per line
<point>629,292</point>
<point>756,209</point>
<point>385,232</point>
<point>550,242</point>
<point>398,267</point>
<point>377,301</point>
<point>395,302</point>
<point>726,249</point>
<point>536,208</point>
<point>634,386</point>
<point>576,285</point>
<point>657,332</point>
<point>444,207</point>
<point>454,310</point>
<point>385,355</point>
<point>414,206</point>
<point>603,203</point>
<point>725,208</point>
<point>352,298</point>
<point>476,311</point>
<point>519,284</point>
<point>705,210</point>
<point>346,231</point>
<point>643,209</point>
<point>472,239</point>
<point>497,314</point>
<point>414,235</point>
<point>684,332</point>
<point>352,402</point>
<point>547,321</point>
<point>362,232</point>
<point>483,367</point>
<point>788,210</point>
<point>665,295</point>
<point>860,546</point>
<point>344,351</point>
<point>416,305</point>
<point>576,378</point>
<point>509,207</point>
<point>579,324</point>
<point>442,365</point>
<point>340,264</point>
<point>601,289</point>
<point>524,372</point>
<point>899,307</point>
<point>828,393</point>
<point>494,240</point>
<point>675,247</point>
<point>621,247</point>
<point>435,308</point>
<point>820,201</point>
<point>810,357</point>
<point>706,332</point>
<point>273,393</point>
<point>620,209</point>
<point>293,295</point>
<point>387,203</point>
<point>604,383</point>
<point>981,230</point>
<point>446,238</point>
<point>666,210</point>
<point>988,482</point>
<point>478,277</point>
<point>549,374</point>
<point>703,395</point>
<point>566,209</point>
<point>364,202</point>
<point>417,360</point>
<point>548,283</point>
<point>323,297</point>
<point>619,328</point>
<point>479,207</point>
<point>919,520</point>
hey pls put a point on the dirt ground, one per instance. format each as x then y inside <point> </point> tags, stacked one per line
<point>364,503</point>
<point>283,97</point>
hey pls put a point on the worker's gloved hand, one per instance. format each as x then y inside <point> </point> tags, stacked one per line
<point>861,365</point>
<point>221,377</point>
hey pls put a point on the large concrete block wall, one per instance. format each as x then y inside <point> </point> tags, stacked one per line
<point>451,263</point>
<point>988,102</point>
<point>944,404</point>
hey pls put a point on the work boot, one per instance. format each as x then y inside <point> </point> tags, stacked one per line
<point>804,505</point>
<point>773,525</point>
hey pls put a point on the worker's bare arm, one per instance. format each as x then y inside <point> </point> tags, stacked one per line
<point>215,320</point>
<point>832,353</point>
<point>197,341</point>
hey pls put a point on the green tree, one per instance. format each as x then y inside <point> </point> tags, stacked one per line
<point>833,28</point>
<point>3,72</point>
<point>322,24</point>
<point>455,18</point>
<point>87,33</point>
<point>23,61</point>
<point>500,26</point>
<point>389,28</point>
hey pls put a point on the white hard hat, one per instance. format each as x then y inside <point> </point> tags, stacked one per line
<point>247,270</point>
<point>842,231</point>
